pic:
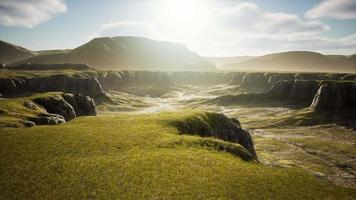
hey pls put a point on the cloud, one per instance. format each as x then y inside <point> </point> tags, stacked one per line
<point>338,9</point>
<point>243,29</point>
<point>29,13</point>
<point>125,28</point>
<point>249,18</point>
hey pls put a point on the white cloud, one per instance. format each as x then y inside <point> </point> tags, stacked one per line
<point>29,13</point>
<point>125,28</point>
<point>248,18</point>
<point>338,9</point>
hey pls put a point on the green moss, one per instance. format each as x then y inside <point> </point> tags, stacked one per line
<point>135,156</point>
<point>13,112</point>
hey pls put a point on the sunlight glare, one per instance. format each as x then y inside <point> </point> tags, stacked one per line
<point>182,19</point>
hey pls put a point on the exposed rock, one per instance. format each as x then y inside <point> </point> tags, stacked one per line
<point>27,123</point>
<point>36,66</point>
<point>83,105</point>
<point>30,105</point>
<point>218,126</point>
<point>293,91</point>
<point>57,105</point>
<point>333,96</point>
<point>282,93</point>
<point>88,86</point>
<point>255,82</point>
<point>68,106</point>
<point>62,83</point>
<point>48,119</point>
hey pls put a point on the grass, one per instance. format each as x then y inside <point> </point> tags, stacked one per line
<point>132,156</point>
<point>13,112</point>
<point>44,73</point>
<point>121,101</point>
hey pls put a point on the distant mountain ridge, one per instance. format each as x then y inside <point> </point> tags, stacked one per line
<point>138,53</point>
<point>10,53</point>
<point>221,61</point>
<point>297,61</point>
<point>127,52</point>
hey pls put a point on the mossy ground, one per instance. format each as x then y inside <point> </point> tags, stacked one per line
<point>140,156</point>
<point>13,111</point>
<point>302,138</point>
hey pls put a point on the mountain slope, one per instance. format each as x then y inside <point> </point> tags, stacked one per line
<point>221,61</point>
<point>129,53</point>
<point>297,61</point>
<point>10,53</point>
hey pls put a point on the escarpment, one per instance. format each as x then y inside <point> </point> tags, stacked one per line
<point>333,96</point>
<point>282,93</point>
<point>218,126</point>
<point>262,82</point>
<point>13,86</point>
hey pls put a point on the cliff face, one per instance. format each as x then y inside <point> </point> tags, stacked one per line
<point>282,93</point>
<point>88,86</point>
<point>262,82</point>
<point>332,96</point>
<point>293,91</point>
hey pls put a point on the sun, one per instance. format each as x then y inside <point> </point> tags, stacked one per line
<point>182,18</point>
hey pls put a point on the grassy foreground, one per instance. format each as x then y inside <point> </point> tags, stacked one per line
<point>131,156</point>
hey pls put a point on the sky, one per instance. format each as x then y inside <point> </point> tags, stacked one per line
<point>209,27</point>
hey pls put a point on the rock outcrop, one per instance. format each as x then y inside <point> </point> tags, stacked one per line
<point>57,105</point>
<point>262,82</point>
<point>218,126</point>
<point>34,66</point>
<point>282,93</point>
<point>82,105</point>
<point>45,119</point>
<point>87,86</point>
<point>332,96</point>
<point>296,92</point>
<point>63,108</point>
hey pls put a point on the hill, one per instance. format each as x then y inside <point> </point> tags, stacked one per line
<point>297,61</point>
<point>11,53</point>
<point>134,156</point>
<point>128,53</point>
<point>221,61</point>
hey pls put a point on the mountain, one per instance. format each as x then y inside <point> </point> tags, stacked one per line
<point>126,52</point>
<point>54,51</point>
<point>297,61</point>
<point>10,53</point>
<point>221,61</point>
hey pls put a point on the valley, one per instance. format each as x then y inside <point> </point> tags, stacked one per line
<point>298,125</point>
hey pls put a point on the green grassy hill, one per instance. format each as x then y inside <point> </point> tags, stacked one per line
<point>141,156</point>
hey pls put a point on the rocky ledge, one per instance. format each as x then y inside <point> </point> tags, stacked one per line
<point>88,86</point>
<point>61,108</point>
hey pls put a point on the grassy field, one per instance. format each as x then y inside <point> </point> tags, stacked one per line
<point>140,156</point>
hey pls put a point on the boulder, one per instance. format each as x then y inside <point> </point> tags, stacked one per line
<point>57,105</point>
